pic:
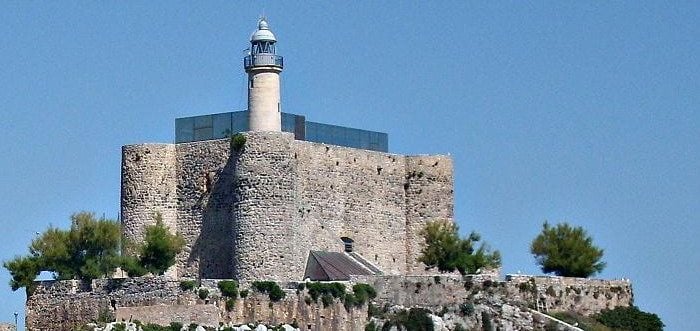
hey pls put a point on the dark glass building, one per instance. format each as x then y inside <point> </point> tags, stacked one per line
<point>217,126</point>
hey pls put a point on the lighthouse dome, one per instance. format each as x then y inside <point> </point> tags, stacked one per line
<point>263,32</point>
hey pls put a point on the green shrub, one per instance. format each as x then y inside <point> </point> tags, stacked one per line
<point>203,293</point>
<point>244,293</point>
<point>349,301</point>
<point>175,326</point>
<point>238,141</point>
<point>551,292</point>
<point>486,324</point>
<point>276,294</point>
<point>374,311</point>
<point>630,318</point>
<point>192,327</point>
<point>160,247</point>
<point>187,285</point>
<point>327,300</point>
<point>413,319</point>
<point>436,279</point>
<point>119,327</point>
<point>371,326</point>
<point>271,288</point>
<point>448,252</point>
<point>228,288</point>
<point>335,290</point>
<point>466,308</point>
<point>363,293</point>
<point>460,327</point>
<point>230,304</point>
<point>132,266</point>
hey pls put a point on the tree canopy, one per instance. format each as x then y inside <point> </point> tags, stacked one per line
<point>448,252</point>
<point>89,250</point>
<point>160,248</point>
<point>566,251</point>
<point>630,318</point>
<point>92,249</point>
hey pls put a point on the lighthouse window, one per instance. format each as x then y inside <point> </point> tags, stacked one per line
<point>250,83</point>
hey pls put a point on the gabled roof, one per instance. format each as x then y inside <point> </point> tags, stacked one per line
<point>328,266</point>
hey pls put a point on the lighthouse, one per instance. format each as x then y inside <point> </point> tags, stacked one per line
<point>263,66</point>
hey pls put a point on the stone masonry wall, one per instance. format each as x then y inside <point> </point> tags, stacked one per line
<point>205,186</point>
<point>429,191</point>
<point>66,305</point>
<point>266,231</point>
<point>148,188</point>
<point>255,213</point>
<point>346,192</point>
<point>7,327</point>
<point>580,295</point>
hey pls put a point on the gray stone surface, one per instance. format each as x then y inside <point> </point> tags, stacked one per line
<point>66,305</point>
<point>256,213</point>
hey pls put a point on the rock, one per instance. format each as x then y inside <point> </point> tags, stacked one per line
<point>438,323</point>
<point>200,328</point>
<point>288,327</point>
<point>244,328</point>
<point>261,327</point>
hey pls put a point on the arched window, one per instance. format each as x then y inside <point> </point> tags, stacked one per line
<point>347,242</point>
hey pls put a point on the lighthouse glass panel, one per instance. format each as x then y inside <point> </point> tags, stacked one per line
<point>218,126</point>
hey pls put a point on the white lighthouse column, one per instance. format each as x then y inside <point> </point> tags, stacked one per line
<point>264,66</point>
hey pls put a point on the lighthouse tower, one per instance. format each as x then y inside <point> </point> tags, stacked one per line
<point>263,66</point>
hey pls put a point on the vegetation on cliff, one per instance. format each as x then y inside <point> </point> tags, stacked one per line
<point>630,318</point>
<point>448,252</point>
<point>618,319</point>
<point>567,251</point>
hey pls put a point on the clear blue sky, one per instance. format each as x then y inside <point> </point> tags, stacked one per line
<point>586,112</point>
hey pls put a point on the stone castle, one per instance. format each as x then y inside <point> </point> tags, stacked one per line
<point>282,199</point>
<point>258,212</point>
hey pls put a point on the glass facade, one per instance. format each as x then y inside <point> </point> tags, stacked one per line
<point>217,126</point>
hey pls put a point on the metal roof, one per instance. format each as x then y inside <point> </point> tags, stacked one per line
<point>330,266</point>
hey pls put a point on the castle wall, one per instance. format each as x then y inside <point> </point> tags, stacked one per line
<point>346,192</point>
<point>148,187</point>
<point>66,305</point>
<point>581,295</point>
<point>205,186</point>
<point>429,192</point>
<point>266,231</point>
<point>255,213</point>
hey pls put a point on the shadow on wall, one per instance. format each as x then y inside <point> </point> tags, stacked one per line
<point>214,248</point>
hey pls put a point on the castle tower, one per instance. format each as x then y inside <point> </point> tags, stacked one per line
<point>263,66</point>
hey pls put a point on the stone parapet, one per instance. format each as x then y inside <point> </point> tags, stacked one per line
<point>580,295</point>
<point>468,300</point>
